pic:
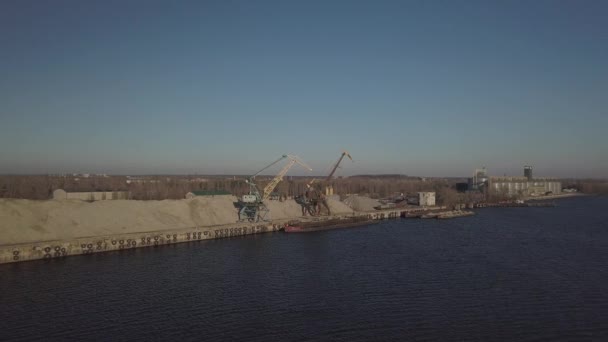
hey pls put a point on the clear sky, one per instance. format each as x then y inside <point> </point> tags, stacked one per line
<point>426,88</point>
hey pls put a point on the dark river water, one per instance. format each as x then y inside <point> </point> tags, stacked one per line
<point>526,274</point>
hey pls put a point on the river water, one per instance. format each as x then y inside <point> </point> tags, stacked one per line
<point>532,274</point>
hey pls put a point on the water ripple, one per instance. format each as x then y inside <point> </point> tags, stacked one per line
<point>528,274</point>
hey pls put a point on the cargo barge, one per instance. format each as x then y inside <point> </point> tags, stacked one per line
<point>441,214</point>
<point>514,204</point>
<point>313,226</point>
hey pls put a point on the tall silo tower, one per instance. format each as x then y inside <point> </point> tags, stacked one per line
<point>528,172</point>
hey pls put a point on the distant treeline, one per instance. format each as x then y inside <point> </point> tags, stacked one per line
<point>386,176</point>
<point>176,187</point>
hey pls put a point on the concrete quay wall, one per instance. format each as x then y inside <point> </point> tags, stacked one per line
<point>100,244</point>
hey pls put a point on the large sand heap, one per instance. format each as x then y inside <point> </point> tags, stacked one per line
<point>30,221</point>
<point>361,203</point>
<point>290,209</point>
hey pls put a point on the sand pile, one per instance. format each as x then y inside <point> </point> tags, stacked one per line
<point>28,221</point>
<point>338,207</point>
<point>290,209</point>
<point>25,221</point>
<point>361,203</point>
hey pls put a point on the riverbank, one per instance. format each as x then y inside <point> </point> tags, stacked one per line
<point>32,230</point>
<point>26,221</point>
<point>557,196</point>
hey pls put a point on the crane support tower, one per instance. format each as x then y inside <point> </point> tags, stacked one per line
<point>252,207</point>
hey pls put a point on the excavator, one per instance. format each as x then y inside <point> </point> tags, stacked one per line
<point>252,207</point>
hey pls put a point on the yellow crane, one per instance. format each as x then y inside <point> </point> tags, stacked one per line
<point>279,177</point>
<point>252,207</point>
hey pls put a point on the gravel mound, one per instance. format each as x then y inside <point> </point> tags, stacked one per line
<point>24,221</point>
<point>361,203</point>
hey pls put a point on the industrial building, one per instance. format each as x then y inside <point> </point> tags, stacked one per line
<point>528,172</point>
<point>526,185</point>
<point>426,199</point>
<point>422,199</point>
<point>513,186</point>
<point>479,181</point>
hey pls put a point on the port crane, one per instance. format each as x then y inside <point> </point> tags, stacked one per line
<point>252,207</point>
<point>344,153</point>
<point>329,189</point>
<point>333,170</point>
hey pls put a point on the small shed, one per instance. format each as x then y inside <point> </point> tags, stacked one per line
<point>426,199</point>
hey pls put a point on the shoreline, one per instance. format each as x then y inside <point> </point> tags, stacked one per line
<point>51,249</point>
<point>90,240</point>
<point>557,196</point>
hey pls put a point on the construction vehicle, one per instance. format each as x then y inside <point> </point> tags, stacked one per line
<point>252,207</point>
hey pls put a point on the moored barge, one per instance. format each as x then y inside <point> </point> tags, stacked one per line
<point>312,226</point>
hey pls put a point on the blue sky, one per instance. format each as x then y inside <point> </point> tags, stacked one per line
<point>427,88</point>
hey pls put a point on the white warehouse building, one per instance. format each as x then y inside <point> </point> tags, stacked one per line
<point>523,186</point>
<point>426,199</point>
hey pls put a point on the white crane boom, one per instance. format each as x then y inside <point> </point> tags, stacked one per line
<point>279,177</point>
